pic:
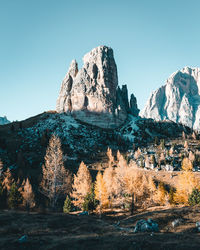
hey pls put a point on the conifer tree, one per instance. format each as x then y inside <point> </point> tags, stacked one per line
<point>137,153</point>
<point>7,179</point>
<point>134,182</point>
<point>186,182</point>
<point>56,180</point>
<point>109,179</point>
<point>1,167</point>
<point>111,159</point>
<point>191,157</point>
<point>100,192</point>
<point>67,205</point>
<point>147,164</point>
<point>160,196</point>
<point>14,196</point>
<point>186,145</point>
<point>28,195</point>
<point>90,203</point>
<point>121,161</point>
<point>162,144</point>
<point>194,135</point>
<point>81,186</point>
<point>151,187</point>
<point>3,195</point>
<point>171,151</point>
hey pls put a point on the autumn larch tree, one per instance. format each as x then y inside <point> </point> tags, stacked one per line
<point>135,185</point>
<point>160,195</point>
<point>7,179</point>
<point>101,193</point>
<point>1,167</point>
<point>56,180</point>
<point>109,179</point>
<point>186,182</point>
<point>81,186</point>
<point>111,159</point>
<point>28,195</point>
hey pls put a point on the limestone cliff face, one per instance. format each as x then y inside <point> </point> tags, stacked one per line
<point>92,95</point>
<point>178,100</point>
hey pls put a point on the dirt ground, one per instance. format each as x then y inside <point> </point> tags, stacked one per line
<point>112,231</point>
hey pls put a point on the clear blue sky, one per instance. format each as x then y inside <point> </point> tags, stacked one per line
<point>39,38</point>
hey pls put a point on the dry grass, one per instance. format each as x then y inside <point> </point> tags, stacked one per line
<point>62,231</point>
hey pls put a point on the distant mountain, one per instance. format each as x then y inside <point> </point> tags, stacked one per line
<point>4,120</point>
<point>91,94</point>
<point>178,100</point>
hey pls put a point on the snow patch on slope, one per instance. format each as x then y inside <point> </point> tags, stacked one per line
<point>130,128</point>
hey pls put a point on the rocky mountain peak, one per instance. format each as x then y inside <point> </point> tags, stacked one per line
<point>178,100</point>
<point>91,94</point>
<point>4,120</point>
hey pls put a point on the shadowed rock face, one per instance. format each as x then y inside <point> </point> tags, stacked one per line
<point>178,100</point>
<point>92,95</point>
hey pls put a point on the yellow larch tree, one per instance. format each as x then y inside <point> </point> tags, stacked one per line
<point>109,179</point>
<point>56,180</point>
<point>134,185</point>
<point>160,195</point>
<point>121,162</point>
<point>186,182</point>
<point>100,191</point>
<point>111,159</point>
<point>28,195</point>
<point>151,187</point>
<point>81,186</point>
<point>7,179</point>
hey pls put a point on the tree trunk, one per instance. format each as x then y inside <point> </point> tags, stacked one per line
<point>132,203</point>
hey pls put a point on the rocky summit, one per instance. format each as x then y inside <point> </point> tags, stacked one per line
<point>4,120</point>
<point>178,100</point>
<point>92,95</point>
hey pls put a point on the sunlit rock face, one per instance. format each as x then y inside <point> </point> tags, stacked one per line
<point>178,100</point>
<point>4,120</point>
<point>92,95</point>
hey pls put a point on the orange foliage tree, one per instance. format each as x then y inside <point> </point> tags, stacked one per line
<point>186,182</point>
<point>81,186</point>
<point>100,191</point>
<point>56,181</point>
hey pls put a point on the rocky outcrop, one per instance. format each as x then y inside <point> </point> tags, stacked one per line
<point>92,95</point>
<point>178,100</point>
<point>4,120</point>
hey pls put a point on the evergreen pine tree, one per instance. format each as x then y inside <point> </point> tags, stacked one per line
<point>67,205</point>
<point>90,203</point>
<point>14,196</point>
<point>194,197</point>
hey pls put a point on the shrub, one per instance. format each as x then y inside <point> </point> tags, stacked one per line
<point>67,205</point>
<point>194,197</point>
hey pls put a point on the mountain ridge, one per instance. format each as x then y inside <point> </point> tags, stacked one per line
<point>178,100</point>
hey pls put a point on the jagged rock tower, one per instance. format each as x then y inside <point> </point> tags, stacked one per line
<point>92,95</point>
<point>178,100</point>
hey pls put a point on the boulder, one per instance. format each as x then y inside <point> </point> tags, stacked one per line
<point>146,226</point>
